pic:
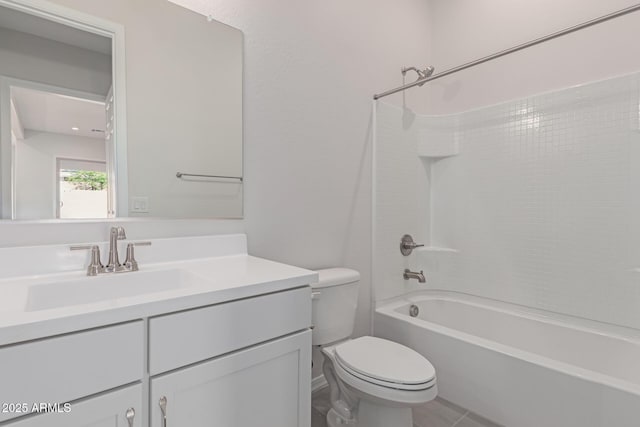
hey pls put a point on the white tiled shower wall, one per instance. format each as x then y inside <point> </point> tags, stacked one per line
<point>541,205</point>
<point>401,197</point>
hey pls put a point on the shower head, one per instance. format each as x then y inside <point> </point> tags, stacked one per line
<point>429,70</point>
<point>422,74</point>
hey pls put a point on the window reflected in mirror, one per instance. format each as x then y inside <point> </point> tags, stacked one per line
<point>82,189</point>
<point>60,159</point>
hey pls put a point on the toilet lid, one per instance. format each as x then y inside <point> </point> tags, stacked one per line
<point>384,360</point>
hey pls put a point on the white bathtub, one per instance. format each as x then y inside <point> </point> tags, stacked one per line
<point>521,367</point>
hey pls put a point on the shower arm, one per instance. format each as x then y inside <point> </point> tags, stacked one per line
<point>496,55</point>
<point>422,74</point>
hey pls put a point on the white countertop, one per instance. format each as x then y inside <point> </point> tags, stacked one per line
<point>224,278</point>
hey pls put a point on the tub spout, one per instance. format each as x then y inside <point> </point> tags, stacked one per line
<point>408,274</point>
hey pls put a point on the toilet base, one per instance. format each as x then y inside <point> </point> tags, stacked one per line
<point>335,420</point>
<point>373,415</point>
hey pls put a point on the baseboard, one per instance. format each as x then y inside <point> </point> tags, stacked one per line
<point>317,383</point>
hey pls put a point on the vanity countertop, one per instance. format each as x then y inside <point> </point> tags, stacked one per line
<point>203,281</point>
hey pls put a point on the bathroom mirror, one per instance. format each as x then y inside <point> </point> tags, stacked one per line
<point>119,108</point>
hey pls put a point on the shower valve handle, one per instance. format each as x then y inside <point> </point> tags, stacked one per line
<point>407,245</point>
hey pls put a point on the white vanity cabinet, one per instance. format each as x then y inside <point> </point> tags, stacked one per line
<point>267,385</point>
<point>242,363</point>
<point>68,368</point>
<point>223,336</point>
<point>236,363</point>
<point>121,408</point>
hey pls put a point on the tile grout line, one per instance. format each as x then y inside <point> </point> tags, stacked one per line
<point>460,419</point>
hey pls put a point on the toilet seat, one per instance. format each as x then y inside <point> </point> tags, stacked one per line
<point>387,384</point>
<point>385,363</point>
<point>387,394</point>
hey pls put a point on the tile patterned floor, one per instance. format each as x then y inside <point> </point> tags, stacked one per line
<point>437,413</point>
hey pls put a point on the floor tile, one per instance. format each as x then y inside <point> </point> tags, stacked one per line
<point>437,413</point>
<point>317,419</point>
<point>320,401</point>
<point>473,420</point>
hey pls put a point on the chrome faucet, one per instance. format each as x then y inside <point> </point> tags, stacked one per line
<point>113,266</point>
<point>408,274</point>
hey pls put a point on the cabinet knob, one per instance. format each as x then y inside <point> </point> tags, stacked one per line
<point>130,415</point>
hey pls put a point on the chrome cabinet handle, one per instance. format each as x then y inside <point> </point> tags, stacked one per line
<point>130,414</point>
<point>163,408</point>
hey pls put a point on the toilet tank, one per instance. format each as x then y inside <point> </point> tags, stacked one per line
<point>334,304</point>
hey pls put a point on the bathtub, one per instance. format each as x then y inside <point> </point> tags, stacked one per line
<point>518,366</point>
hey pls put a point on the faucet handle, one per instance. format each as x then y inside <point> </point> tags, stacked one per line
<point>95,266</point>
<point>407,245</point>
<point>82,247</point>
<point>130,263</point>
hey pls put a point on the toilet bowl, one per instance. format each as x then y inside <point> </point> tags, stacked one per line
<point>379,382</point>
<point>372,382</point>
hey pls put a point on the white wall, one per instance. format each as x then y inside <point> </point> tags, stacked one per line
<point>589,281</point>
<point>465,30</point>
<point>310,72</point>
<point>402,199</point>
<point>311,69</point>
<point>35,169</point>
<point>28,57</point>
<point>48,232</point>
<point>541,204</point>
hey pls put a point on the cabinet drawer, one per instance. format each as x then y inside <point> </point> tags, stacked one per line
<point>180,339</point>
<point>68,367</point>
<point>107,410</point>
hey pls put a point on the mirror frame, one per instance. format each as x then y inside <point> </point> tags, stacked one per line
<point>73,18</point>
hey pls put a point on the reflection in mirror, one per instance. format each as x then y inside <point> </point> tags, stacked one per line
<point>82,189</point>
<point>59,156</point>
<point>55,81</point>
<point>66,138</point>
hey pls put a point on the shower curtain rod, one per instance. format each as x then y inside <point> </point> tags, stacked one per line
<point>560,33</point>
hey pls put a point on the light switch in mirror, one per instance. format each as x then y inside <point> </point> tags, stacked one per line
<point>76,144</point>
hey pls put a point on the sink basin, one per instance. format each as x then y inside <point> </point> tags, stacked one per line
<point>108,287</point>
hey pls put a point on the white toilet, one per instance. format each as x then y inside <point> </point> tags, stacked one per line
<point>373,382</point>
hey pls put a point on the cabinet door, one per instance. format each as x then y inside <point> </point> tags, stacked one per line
<point>267,385</point>
<point>69,367</point>
<point>108,410</point>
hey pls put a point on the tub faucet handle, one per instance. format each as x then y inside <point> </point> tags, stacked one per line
<point>407,245</point>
